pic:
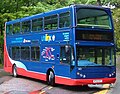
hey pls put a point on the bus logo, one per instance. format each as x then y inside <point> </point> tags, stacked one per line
<point>48,38</point>
<point>26,41</point>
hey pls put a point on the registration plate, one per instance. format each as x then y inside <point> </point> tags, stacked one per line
<point>97,81</point>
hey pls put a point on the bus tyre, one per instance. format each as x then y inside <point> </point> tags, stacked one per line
<point>14,71</point>
<point>51,78</point>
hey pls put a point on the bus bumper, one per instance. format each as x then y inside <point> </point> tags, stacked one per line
<point>75,82</point>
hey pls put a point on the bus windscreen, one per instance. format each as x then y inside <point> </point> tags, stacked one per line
<point>95,56</point>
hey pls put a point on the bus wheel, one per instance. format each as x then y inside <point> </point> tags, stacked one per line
<point>51,78</point>
<point>14,71</point>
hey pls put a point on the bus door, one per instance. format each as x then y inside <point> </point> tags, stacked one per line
<point>65,61</point>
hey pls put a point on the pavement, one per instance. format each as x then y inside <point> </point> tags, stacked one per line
<point>1,70</point>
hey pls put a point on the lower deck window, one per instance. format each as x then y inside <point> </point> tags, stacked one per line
<point>25,53</point>
<point>16,53</point>
<point>35,53</point>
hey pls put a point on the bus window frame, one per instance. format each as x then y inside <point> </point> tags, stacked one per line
<point>28,30</point>
<point>42,20</point>
<point>14,32</point>
<point>31,54</point>
<point>45,29</point>
<point>24,59</point>
<point>15,47</point>
<point>65,17</point>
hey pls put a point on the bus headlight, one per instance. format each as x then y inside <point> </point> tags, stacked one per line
<point>78,73</point>
<point>81,75</point>
<point>110,75</point>
<point>84,76</point>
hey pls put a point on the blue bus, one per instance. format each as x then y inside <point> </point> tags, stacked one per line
<point>73,45</point>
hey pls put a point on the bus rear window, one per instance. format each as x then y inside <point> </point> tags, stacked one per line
<point>93,18</point>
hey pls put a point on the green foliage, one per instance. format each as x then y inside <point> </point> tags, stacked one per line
<point>1,40</point>
<point>1,49</point>
<point>116,18</point>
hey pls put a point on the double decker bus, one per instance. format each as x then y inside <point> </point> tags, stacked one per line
<point>73,45</point>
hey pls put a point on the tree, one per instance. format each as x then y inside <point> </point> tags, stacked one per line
<point>116,18</point>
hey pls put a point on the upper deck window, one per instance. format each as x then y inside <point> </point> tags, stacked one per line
<point>93,18</point>
<point>64,20</point>
<point>26,26</point>
<point>37,24</point>
<point>51,22</point>
<point>16,28</point>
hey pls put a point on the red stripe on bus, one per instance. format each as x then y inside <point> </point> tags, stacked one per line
<point>31,74</point>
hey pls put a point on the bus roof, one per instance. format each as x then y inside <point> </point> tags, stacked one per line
<point>89,6</point>
<point>52,12</point>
